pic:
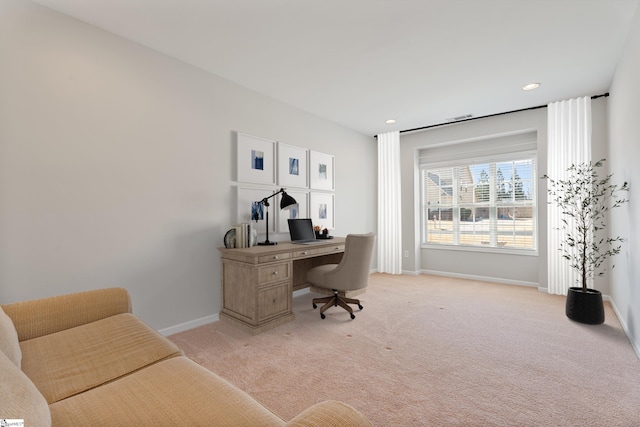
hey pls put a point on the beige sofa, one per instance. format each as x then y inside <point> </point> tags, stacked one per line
<point>84,360</point>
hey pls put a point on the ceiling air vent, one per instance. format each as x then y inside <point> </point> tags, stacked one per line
<point>458,118</point>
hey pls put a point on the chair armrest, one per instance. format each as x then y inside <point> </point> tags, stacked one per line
<point>45,316</point>
<point>330,413</point>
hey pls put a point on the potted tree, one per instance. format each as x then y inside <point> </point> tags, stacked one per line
<point>585,198</point>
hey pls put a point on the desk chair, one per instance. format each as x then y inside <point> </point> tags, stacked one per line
<point>349,277</point>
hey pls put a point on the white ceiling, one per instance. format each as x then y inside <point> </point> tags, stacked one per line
<point>360,62</point>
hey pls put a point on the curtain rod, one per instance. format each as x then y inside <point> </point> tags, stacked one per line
<point>484,117</point>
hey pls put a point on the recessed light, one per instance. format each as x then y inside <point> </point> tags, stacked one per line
<point>390,121</point>
<point>531,86</point>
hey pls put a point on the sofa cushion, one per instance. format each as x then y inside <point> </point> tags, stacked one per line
<point>45,316</point>
<point>173,392</point>
<point>19,398</point>
<point>9,344</point>
<point>74,360</point>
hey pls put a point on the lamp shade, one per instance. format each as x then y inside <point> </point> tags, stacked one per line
<point>286,202</point>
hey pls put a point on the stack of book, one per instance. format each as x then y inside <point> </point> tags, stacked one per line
<point>243,235</point>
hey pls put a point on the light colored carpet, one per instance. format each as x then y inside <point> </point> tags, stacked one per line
<point>435,351</point>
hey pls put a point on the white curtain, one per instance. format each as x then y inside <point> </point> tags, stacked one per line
<point>389,212</point>
<point>568,142</point>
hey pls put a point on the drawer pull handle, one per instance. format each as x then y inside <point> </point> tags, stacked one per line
<point>275,273</point>
<point>305,252</point>
<point>275,257</point>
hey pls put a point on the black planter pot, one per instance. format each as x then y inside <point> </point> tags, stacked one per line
<point>585,307</point>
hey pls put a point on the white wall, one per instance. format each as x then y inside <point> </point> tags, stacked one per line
<point>624,152</point>
<point>506,268</point>
<point>520,269</point>
<point>116,166</point>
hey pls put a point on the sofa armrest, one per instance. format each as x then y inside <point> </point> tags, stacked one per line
<point>45,316</point>
<point>330,413</point>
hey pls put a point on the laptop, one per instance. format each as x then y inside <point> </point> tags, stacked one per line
<point>301,231</point>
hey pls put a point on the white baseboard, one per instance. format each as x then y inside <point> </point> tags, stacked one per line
<point>410,273</point>
<point>634,345</point>
<point>192,324</point>
<point>546,291</point>
<point>480,278</point>
<point>301,292</point>
<point>171,330</point>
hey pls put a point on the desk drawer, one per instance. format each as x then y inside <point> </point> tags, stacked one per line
<point>274,273</point>
<point>274,300</point>
<point>275,257</point>
<point>308,252</point>
<point>333,249</point>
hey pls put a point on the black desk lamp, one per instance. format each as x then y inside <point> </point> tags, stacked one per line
<point>286,202</point>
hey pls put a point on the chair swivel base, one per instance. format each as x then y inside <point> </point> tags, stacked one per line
<point>334,301</point>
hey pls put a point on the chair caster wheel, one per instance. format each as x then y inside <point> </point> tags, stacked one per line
<point>322,316</point>
<point>360,307</point>
<point>315,306</point>
<point>353,316</point>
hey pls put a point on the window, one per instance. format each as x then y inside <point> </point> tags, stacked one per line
<point>486,203</point>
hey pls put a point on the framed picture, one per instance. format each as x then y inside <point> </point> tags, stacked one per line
<point>256,159</point>
<point>292,166</point>
<point>321,210</point>
<point>249,208</point>
<point>301,210</point>
<point>321,171</point>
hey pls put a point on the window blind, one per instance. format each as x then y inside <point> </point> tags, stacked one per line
<point>488,202</point>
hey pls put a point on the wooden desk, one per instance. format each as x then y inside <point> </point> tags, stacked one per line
<point>258,282</point>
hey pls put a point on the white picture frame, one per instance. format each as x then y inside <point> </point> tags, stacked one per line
<point>321,171</point>
<point>255,159</point>
<point>246,202</point>
<point>301,211</point>
<point>292,166</point>
<point>322,209</point>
